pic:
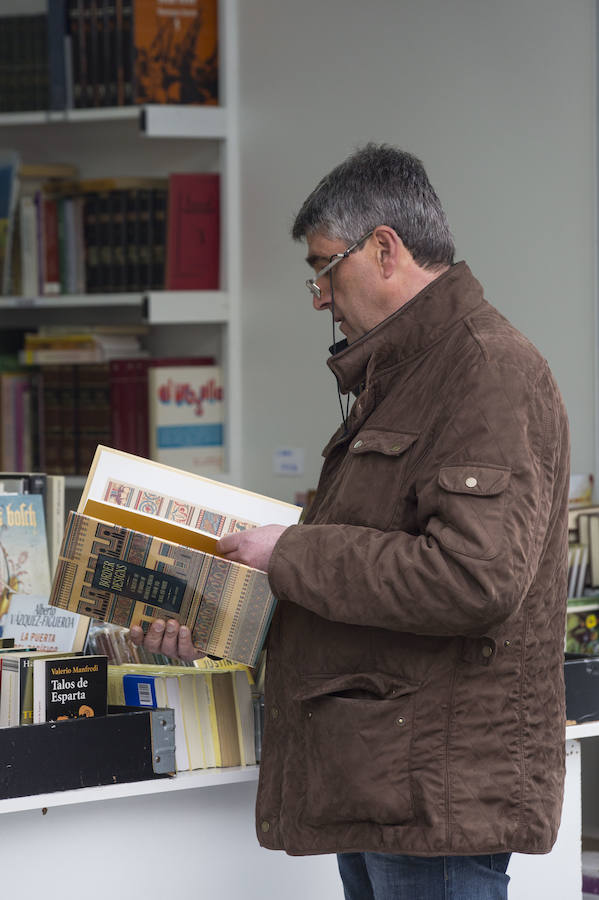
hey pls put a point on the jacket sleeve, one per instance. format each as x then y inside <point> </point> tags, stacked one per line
<point>486,501</point>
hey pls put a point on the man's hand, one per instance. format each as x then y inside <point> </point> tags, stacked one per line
<point>166,637</point>
<point>252,547</point>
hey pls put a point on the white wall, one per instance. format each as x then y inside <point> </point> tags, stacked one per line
<point>498,100</point>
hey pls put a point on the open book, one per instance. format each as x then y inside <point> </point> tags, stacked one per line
<point>142,545</point>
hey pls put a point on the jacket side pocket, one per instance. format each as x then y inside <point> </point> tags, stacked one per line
<point>357,734</point>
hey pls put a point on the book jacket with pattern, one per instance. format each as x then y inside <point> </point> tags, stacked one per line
<point>120,575</point>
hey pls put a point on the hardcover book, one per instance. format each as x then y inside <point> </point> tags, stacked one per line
<point>136,550</point>
<point>176,51</point>
<point>193,233</point>
<point>69,688</point>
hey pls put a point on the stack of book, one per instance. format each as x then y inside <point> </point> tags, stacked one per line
<point>92,53</point>
<point>213,704</point>
<point>66,235</point>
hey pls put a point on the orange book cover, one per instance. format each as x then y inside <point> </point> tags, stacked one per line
<point>176,51</point>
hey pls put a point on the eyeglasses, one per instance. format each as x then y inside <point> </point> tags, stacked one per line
<point>335,258</point>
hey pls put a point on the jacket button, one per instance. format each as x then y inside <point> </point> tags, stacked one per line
<point>358,444</point>
<point>401,721</point>
<point>308,715</point>
<point>274,713</point>
<point>487,651</point>
<point>265,826</point>
<point>395,447</point>
<point>507,643</point>
<point>471,482</point>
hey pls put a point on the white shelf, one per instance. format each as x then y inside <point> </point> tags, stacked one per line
<point>181,307</point>
<point>156,121</point>
<point>584,730</point>
<point>176,307</point>
<point>199,778</point>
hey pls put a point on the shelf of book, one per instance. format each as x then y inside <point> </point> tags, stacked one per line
<point>199,778</point>
<point>582,730</point>
<point>207,122</point>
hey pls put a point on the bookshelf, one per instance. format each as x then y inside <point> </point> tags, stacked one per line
<point>153,140</point>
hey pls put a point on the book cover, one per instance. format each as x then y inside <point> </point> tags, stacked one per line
<point>193,232</point>
<point>186,416</point>
<point>57,26</point>
<point>69,688</point>
<point>119,575</point>
<point>582,628</point>
<point>176,51</point>
<point>25,613</point>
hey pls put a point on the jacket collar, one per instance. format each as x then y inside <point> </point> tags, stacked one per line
<point>410,331</point>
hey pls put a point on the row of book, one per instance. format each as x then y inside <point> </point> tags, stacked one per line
<point>64,235</point>
<point>93,53</point>
<point>215,710</point>
<point>54,416</point>
<point>216,717</point>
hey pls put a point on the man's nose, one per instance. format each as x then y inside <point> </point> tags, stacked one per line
<point>321,302</point>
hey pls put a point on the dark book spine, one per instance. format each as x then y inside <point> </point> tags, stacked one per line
<point>118,216</point>
<point>74,23</point>
<point>110,66</point>
<point>40,63</point>
<point>160,200</point>
<point>144,215</point>
<point>132,276</point>
<point>101,77</point>
<point>91,45</point>
<point>90,227</point>
<point>93,418</point>
<point>128,53</point>
<point>104,242</point>
<point>119,52</point>
<point>57,20</point>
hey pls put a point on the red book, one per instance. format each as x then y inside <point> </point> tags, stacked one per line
<point>51,254</point>
<point>193,237</point>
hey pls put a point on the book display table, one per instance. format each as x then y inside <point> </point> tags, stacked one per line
<point>196,832</point>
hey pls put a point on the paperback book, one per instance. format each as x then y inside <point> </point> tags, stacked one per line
<point>69,688</point>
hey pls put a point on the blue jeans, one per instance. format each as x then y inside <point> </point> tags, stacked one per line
<point>390,876</point>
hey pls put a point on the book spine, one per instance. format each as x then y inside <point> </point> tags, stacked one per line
<point>109,48</point>
<point>57,16</point>
<point>193,237</point>
<point>118,219</point>
<point>29,247</point>
<point>75,32</point>
<point>144,246</point>
<point>51,269</point>
<point>90,50</point>
<point>92,253</point>
<point>101,73</point>
<point>160,199</point>
<point>133,279</point>
<point>128,52</point>
<point>104,242</point>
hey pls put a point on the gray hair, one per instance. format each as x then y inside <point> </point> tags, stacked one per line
<point>379,185</point>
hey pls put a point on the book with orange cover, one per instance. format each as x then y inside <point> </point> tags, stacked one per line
<point>176,51</point>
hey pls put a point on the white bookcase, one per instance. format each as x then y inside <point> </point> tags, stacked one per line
<point>149,141</point>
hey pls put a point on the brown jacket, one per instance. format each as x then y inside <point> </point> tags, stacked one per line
<point>414,697</point>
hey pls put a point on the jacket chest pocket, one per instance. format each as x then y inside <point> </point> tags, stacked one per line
<point>357,735</point>
<point>374,472</point>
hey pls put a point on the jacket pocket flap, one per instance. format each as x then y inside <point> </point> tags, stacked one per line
<point>476,479</point>
<point>391,443</point>
<point>356,686</point>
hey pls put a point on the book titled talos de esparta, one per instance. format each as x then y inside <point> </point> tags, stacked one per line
<point>69,688</point>
<point>176,51</point>
<point>142,545</point>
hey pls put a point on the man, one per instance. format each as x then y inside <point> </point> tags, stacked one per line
<point>414,698</point>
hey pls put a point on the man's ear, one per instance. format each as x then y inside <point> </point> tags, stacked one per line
<point>389,249</point>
